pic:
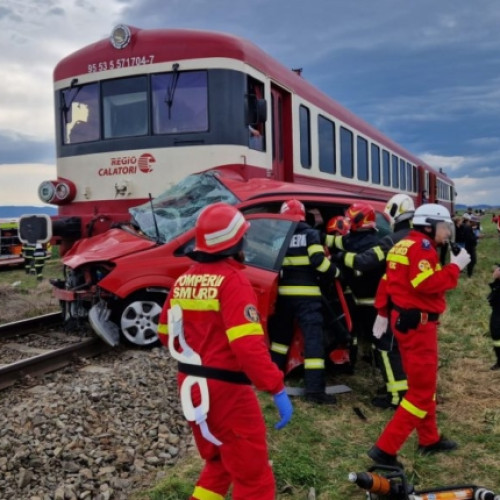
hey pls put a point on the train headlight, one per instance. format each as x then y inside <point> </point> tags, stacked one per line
<point>65,191</point>
<point>59,192</point>
<point>47,191</point>
<point>120,36</point>
<point>62,191</point>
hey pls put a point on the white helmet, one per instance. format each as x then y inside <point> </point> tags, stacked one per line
<point>430,214</point>
<point>399,208</point>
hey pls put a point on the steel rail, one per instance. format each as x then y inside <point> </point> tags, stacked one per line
<point>51,361</point>
<point>29,325</point>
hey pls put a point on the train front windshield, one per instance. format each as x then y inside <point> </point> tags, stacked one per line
<point>121,108</point>
<point>176,210</point>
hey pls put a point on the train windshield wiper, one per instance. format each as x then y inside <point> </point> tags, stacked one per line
<point>67,105</point>
<point>170,92</point>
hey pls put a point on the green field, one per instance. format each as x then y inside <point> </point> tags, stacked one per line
<point>322,445</point>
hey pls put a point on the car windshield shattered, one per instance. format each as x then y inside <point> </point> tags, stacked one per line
<point>176,210</point>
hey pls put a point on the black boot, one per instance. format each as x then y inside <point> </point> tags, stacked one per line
<point>321,398</point>
<point>384,401</point>
<point>442,446</point>
<point>496,366</point>
<point>382,458</point>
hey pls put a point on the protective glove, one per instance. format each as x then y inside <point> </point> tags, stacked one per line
<point>380,326</point>
<point>461,260</point>
<point>285,408</point>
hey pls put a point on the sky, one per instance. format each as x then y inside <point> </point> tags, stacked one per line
<point>426,72</point>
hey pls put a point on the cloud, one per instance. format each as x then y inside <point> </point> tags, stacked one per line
<point>474,190</point>
<point>426,74</point>
<point>22,148</point>
<point>31,175</point>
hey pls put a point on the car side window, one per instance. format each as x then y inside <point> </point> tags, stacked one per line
<point>266,242</point>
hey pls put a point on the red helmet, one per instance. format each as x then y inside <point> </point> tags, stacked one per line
<point>338,225</point>
<point>361,216</point>
<point>219,227</point>
<point>293,207</point>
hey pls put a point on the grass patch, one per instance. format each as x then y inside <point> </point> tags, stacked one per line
<point>322,445</point>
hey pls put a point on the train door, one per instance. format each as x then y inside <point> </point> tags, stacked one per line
<point>281,123</point>
<point>425,195</point>
<point>433,196</point>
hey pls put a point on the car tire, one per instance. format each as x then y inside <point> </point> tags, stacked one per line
<point>138,319</point>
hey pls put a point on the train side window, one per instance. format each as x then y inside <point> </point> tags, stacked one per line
<point>409,184</point>
<point>387,167</point>
<point>180,102</point>
<point>362,150</point>
<point>305,137</point>
<point>346,153</point>
<point>80,114</point>
<point>415,178</point>
<point>125,107</point>
<point>395,171</point>
<point>402,172</point>
<point>375,158</point>
<point>326,137</point>
<point>256,114</point>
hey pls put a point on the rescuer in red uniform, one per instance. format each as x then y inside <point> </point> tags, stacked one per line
<point>414,287</point>
<point>211,325</point>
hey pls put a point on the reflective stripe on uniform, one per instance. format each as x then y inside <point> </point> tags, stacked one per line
<point>163,328</point>
<point>312,249</point>
<point>302,260</point>
<point>279,348</point>
<point>197,304</point>
<point>338,242</point>
<point>243,330</point>
<point>400,259</point>
<point>314,363</point>
<point>349,259</point>
<point>496,343</point>
<point>412,409</point>
<point>421,277</point>
<point>324,266</point>
<point>312,291</point>
<point>379,253</point>
<point>393,386</point>
<point>365,301</point>
<point>203,494</point>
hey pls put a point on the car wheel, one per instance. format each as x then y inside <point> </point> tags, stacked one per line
<point>139,318</point>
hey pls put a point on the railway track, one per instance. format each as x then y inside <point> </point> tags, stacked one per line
<point>17,336</point>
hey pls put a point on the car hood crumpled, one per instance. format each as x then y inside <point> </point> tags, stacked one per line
<point>107,246</point>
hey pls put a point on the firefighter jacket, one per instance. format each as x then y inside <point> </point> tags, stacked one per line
<point>221,322</point>
<point>414,277</point>
<point>374,257</point>
<point>363,284</point>
<point>494,296</point>
<point>304,263</point>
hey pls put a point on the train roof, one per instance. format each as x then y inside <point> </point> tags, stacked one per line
<point>181,44</point>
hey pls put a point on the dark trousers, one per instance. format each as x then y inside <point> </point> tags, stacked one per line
<point>495,330</point>
<point>308,313</point>
<point>473,260</point>
<point>388,360</point>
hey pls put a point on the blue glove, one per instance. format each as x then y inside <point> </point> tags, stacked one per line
<point>285,408</point>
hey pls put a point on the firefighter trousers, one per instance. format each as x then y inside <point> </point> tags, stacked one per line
<point>495,330</point>
<point>417,410</point>
<point>308,311</point>
<point>388,360</point>
<point>235,418</point>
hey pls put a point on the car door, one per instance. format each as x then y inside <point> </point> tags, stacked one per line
<point>265,246</point>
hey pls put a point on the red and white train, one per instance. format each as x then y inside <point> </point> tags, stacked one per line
<point>139,111</point>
